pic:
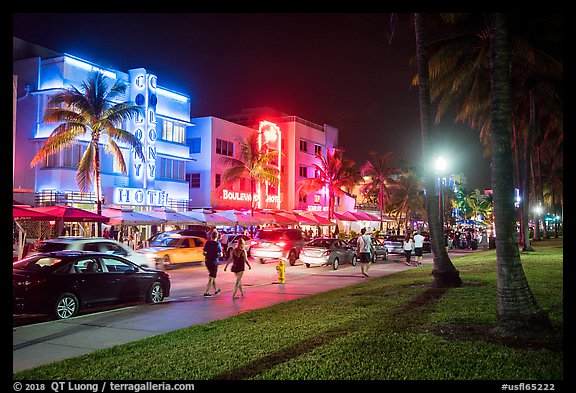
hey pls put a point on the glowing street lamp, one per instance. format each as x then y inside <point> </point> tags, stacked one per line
<point>441,165</point>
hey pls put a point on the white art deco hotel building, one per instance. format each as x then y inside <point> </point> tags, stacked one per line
<point>183,168</point>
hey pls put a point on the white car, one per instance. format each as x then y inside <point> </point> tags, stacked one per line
<point>99,244</point>
<point>233,242</point>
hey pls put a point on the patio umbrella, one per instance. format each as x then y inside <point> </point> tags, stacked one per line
<point>239,218</point>
<point>170,216</point>
<point>20,213</point>
<point>208,218</point>
<point>281,219</point>
<point>130,217</point>
<point>71,214</point>
<point>298,218</point>
<point>467,222</point>
<point>364,216</point>
<point>318,218</point>
<point>338,215</point>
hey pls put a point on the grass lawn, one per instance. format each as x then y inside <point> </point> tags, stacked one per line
<point>393,328</point>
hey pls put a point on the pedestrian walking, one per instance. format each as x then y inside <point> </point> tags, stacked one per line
<point>239,261</point>
<point>408,246</point>
<point>418,245</point>
<point>364,248</point>
<point>212,251</point>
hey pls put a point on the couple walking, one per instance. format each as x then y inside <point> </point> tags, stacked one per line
<point>239,258</point>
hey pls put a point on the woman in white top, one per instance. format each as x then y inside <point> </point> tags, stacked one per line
<point>408,245</point>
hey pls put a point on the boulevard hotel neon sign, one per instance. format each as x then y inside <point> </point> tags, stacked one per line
<point>269,135</point>
<point>142,173</point>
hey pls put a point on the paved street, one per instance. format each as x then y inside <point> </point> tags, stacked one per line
<point>49,341</point>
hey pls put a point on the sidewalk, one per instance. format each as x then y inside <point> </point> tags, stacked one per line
<point>46,342</point>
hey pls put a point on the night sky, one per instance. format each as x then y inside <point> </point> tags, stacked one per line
<point>333,68</point>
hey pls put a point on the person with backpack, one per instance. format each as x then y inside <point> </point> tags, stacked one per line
<point>212,251</point>
<point>364,248</point>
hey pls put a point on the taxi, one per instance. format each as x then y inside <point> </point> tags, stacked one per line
<point>175,249</point>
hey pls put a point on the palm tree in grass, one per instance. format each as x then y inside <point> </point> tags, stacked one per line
<point>406,196</point>
<point>90,110</point>
<point>335,173</point>
<point>518,313</point>
<point>444,272</point>
<point>253,162</point>
<point>380,170</point>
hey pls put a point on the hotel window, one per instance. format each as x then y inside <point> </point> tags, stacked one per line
<point>68,157</point>
<point>173,132</point>
<point>194,144</point>
<point>224,147</point>
<point>194,180</point>
<point>171,169</point>
<point>317,149</point>
<point>303,146</point>
<point>218,180</point>
<point>303,171</point>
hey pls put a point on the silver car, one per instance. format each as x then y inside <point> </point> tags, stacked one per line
<point>97,244</point>
<point>328,251</point>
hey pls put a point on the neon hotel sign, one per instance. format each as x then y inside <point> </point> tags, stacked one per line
<point>142,173</point>
<point>268,133</point>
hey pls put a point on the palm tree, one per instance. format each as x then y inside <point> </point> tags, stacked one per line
<point>518,313</point>
<point>90,110</point>
<point>444,272</point>
<point>335,173</point>
<point>460,79</point>
<point>380,170</point>
<point>406,196</point>
<point>253,162</point>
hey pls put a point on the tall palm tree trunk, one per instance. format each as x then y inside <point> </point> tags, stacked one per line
<point>444,272</point>
<point>525,185</point>
<point>98,184</point>
<point>518,312</point>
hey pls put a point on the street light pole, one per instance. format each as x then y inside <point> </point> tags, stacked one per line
<point>441,165</point>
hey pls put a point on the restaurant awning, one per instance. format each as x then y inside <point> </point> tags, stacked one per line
<point>71,214</point>
<point>20,213</point>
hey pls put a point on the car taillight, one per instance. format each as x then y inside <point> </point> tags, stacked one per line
<point>326,253</point>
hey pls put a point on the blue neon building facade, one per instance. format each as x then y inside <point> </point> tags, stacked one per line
<point>158,181</point>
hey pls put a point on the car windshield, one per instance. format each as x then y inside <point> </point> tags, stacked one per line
<point>321,243</point>
<point>167,242</point>
<point>35,263</point>
<point>51,246</point>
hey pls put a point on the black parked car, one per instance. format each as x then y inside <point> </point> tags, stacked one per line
<point>62,283</point>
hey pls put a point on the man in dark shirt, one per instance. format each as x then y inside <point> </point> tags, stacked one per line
<point>212,252</point>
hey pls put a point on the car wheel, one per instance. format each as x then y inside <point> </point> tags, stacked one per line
<point>261,260</point>
<point>374,258</point>
<point>66,306</point>
<point>307,265</point>
<point>335,264</point>
<point>292,258</point>
<point>155,293</point>
<point>385,255</point>
<point>353,261</point>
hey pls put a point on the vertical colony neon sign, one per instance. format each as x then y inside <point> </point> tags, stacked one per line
<point>143,91</point>
<point>269,133</point>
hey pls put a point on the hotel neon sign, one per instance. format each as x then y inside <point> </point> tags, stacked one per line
<point>270,134</point>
